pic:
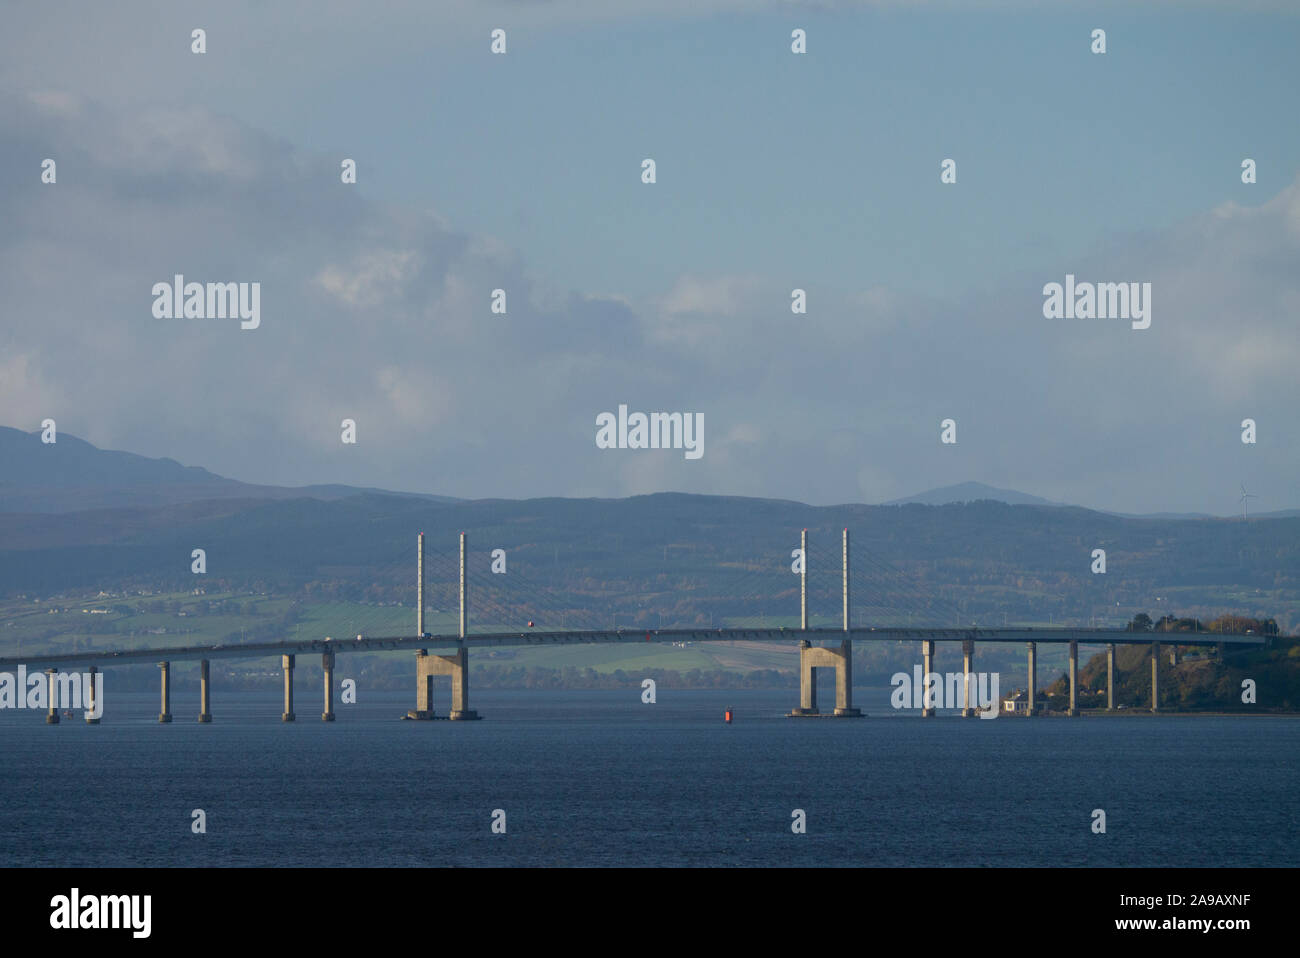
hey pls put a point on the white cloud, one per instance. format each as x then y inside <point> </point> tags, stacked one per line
<point>373,278</point>
<point>382,315</point>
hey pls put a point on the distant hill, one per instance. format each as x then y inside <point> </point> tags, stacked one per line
<point>692,559</point>
<point>971,492</point>
<point>976,491</point>
<point>74,517</point>
<point>71,475</point>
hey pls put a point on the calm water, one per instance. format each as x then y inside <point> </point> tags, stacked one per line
<point>598,778</point>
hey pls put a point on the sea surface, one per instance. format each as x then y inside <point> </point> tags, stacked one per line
<point>601,778</point>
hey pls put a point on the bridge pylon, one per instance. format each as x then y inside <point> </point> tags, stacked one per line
<point>812,657</point>
<point>455,665</point>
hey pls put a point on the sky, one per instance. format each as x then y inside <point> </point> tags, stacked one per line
<point>775,171</point>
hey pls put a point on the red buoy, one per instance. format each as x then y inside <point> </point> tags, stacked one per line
<point>728,715</point>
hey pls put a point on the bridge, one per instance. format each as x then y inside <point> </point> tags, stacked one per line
<point>449,654</point>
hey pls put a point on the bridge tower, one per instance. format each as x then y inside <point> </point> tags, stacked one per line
<point>456,664</point>
<point>812,657</point>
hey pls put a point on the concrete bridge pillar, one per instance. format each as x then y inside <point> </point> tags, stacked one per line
<point>52,716</point>
<point>327,665</point>
<point>287,663</point>
<point>1033,676</point>
<point>1074,674</point>
<point>205,711</point>
<point>927,669</point>
<point>165,668</point>
<point>1110,677</point>
<point>807,683</point>
<point>968,676</point>
<point>844,682</point>
<point>423,688</point>
<point>1155,676</point>
<point>455,665</point>
<point>91,718</point>
<point>1175,655</point>
<point>813,657</point>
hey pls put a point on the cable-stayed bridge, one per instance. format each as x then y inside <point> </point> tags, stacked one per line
<point>448,654</point>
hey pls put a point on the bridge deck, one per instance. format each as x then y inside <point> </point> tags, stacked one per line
<point>435,642</point>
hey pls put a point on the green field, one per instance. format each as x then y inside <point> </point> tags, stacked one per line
<point>133,622</point>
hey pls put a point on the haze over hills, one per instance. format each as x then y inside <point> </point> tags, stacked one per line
<point>971,492</point>
<point>975,491</point>
<point>77,517</point>
<point>71,475</point>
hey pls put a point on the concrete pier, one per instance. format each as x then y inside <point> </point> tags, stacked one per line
<point>455,665</point>
<point>205,703</point>
<point>165,670</point>
<point>1110,677</point>
<point>968,676</point>
<point>287,662</point>
<point>1155,677</point>
<point>91,718</point>
<point>423,689</point>
<point>327,665</point>
<point>927,667</point>
<point>807,683</point>
<point>52,716</point>
<point>813,657</point>
<point>1074,675</point>
<point>1033,675</point>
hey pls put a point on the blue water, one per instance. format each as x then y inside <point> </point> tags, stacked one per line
<point>599,778</point>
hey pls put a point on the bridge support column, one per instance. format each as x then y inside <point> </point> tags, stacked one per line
<point>455,665</point>
<point>812,657</point>
<point>968,676</point>
<point>165,669</point>
<point>1155,677</point>
<point>1175,655</point>
<point>807,683</point>
<point>928,691</point>
<point>1110,677</point>
<point>91,718</point>
<point>1074,675</point>
<point>460,709</point>
<point>423,687</point>
<point>205,711</point>
<point>1033,676</point>
<point>52,716</point>
<point>287,663</point>
<point>844,681</point>
<point>327,665</point>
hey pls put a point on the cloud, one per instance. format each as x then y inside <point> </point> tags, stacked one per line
<point>369,282</point>
<point>382,314</point>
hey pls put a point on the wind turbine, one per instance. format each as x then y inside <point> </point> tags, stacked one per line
<point>1245,496</point>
